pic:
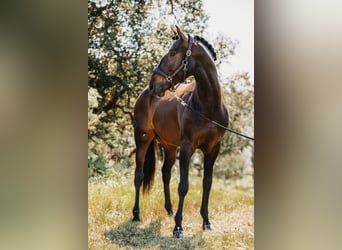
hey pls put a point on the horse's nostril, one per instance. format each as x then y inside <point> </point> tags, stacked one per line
<point>151,86</point>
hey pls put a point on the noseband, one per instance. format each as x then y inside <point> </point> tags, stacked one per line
<point>183,66</point>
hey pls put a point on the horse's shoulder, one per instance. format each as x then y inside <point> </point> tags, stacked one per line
<point>143,97</point>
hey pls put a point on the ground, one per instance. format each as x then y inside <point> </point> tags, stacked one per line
<point>110,203</point>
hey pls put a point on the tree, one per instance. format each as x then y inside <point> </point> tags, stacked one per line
<point>240,102</point>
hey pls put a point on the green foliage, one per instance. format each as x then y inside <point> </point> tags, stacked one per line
<point>235,158</point>
<point>97,166</point>
<point>240,102</point>
<point>233,166</point>
<point>107,143</point>
<point>117,61</point>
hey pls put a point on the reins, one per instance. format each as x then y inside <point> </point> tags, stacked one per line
<point>183,103</point>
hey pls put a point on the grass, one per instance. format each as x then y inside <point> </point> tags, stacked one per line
<point>110,203</point>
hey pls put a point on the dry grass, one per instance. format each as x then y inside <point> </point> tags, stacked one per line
<point>110,204</point>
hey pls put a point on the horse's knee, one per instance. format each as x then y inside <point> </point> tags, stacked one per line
<point>166,170</point>
<point>166,178</point>
<point>207,182</point>
<point>183,188</point>
<point>138,178</point>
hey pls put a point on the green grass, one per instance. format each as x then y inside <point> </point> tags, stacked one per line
<point>110,203</point>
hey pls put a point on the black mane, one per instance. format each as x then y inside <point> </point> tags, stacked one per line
<point>204,42</point>
<point>208,45</point>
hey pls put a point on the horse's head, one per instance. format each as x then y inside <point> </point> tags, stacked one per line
<point>175,66</point>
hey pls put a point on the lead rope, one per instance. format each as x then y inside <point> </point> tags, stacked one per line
<point>183,103</point>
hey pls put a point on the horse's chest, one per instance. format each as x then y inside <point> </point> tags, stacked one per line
<point>211,131</point>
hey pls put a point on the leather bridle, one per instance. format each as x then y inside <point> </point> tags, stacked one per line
<point>182,66</point>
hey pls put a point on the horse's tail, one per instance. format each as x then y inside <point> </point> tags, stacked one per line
<point>149,167</point>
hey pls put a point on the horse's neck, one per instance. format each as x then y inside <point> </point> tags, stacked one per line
<point>208,89</point>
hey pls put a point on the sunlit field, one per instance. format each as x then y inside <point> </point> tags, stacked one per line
<point>110,203</point>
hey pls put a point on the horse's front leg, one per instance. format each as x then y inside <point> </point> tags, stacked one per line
<point>170,158</point>
<point>186,150</point>
<point>209,160</point>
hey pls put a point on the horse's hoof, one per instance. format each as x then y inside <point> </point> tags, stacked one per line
<point>136,219</point>
<point>178,233</point>
<point>136,215</point>
<point>207,227</point>
<point>169,210</point>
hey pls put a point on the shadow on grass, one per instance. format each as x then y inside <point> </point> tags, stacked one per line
<point>133,234</point>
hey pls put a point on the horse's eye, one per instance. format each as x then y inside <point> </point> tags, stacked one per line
<point>172,53</point>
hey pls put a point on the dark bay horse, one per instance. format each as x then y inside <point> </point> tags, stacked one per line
<point>158,115</point>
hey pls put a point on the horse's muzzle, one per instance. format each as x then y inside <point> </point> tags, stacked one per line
<point>157,89</point>
<point>159,93</point>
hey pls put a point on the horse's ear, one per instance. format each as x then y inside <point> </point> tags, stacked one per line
<point>175,36</point>
<point>174,31</point>
<point>180,34</point>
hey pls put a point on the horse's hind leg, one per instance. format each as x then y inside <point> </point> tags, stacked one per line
<point>142,143</point>
<point>170,158</point>
<point>209,160</point>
